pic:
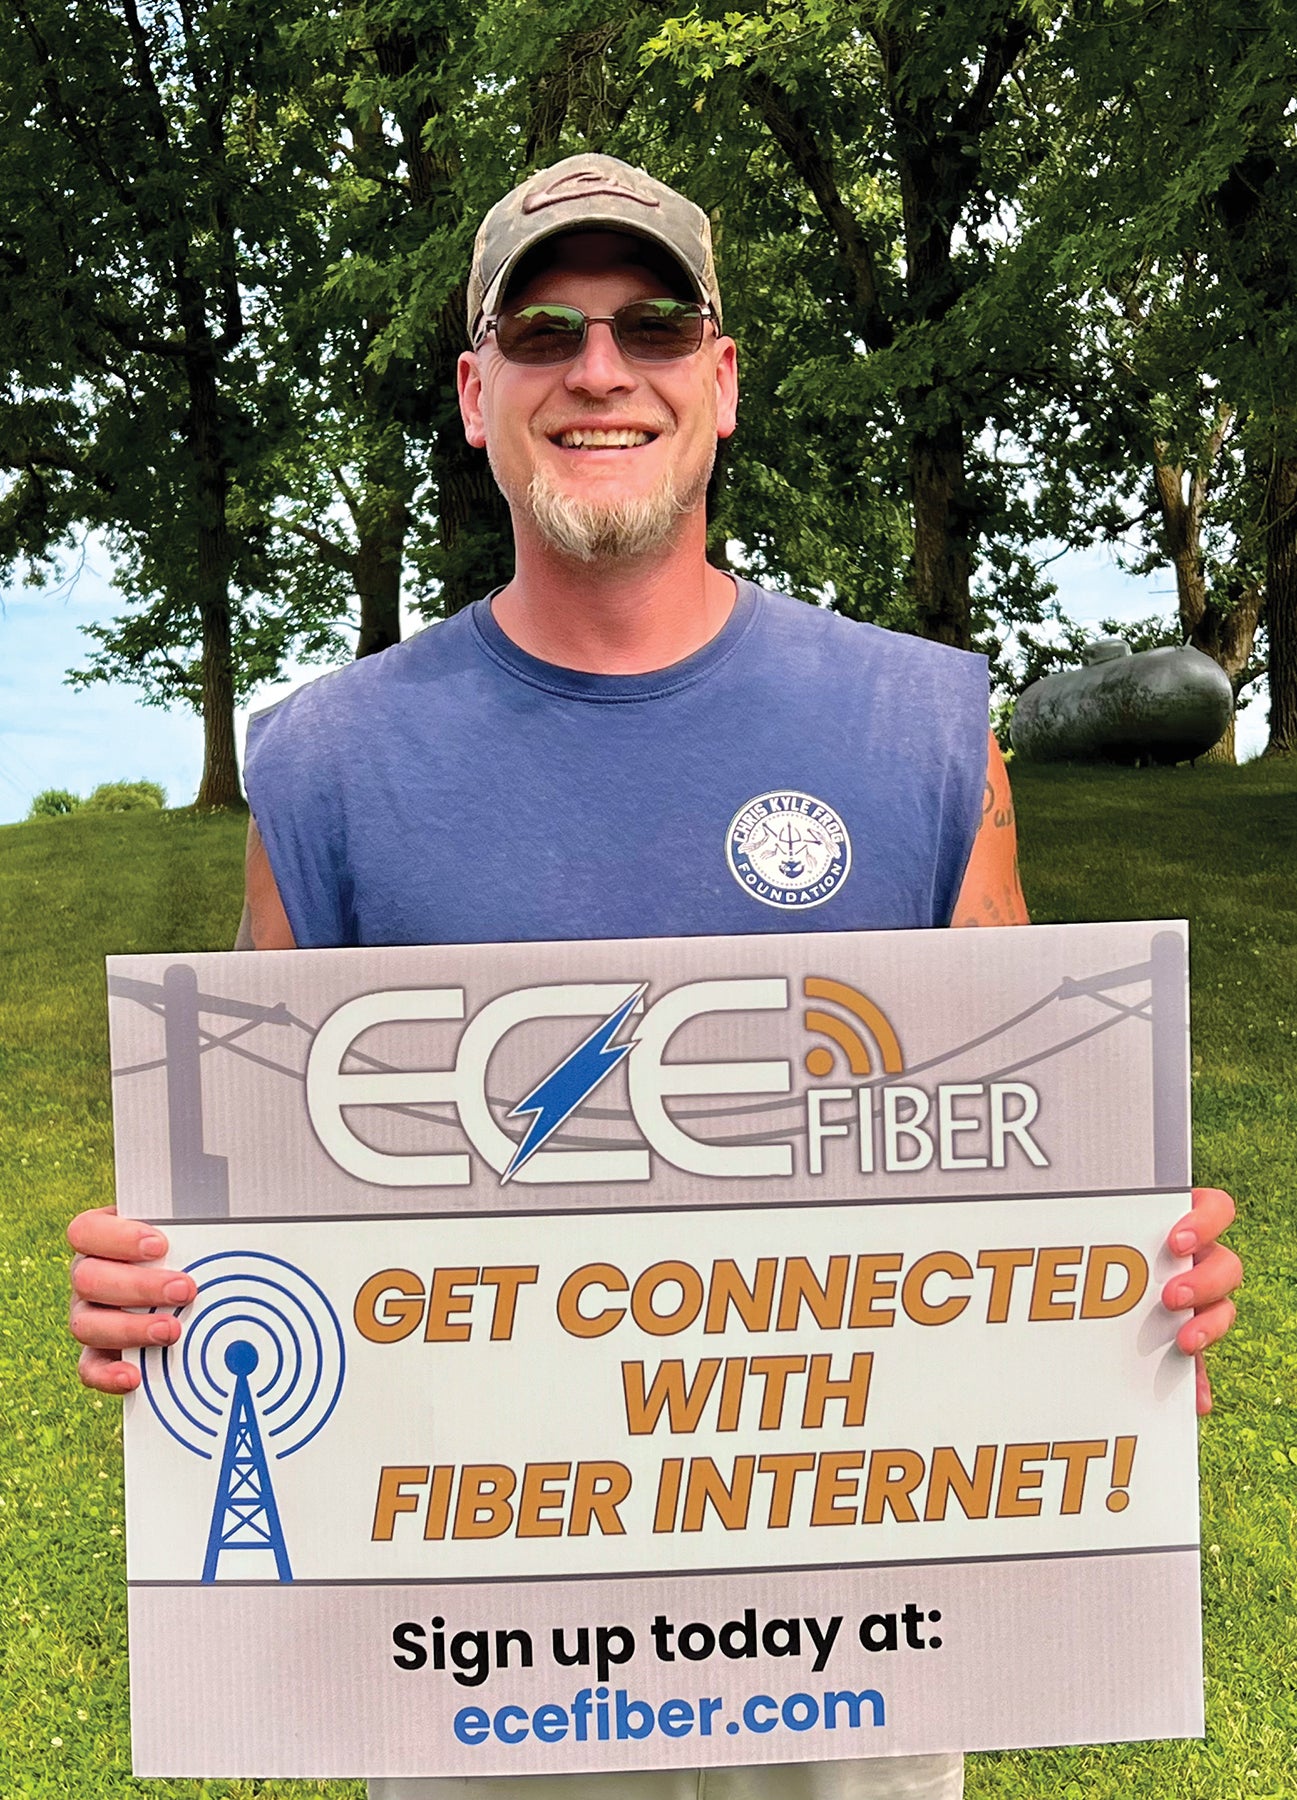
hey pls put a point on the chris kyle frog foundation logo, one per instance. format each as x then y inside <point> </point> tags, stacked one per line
<point>788,849</point>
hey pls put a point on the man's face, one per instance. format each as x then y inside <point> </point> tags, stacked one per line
<point>623,496</point>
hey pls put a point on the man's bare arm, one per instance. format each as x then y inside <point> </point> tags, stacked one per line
<point>264,925</point>
<point>991,893</point>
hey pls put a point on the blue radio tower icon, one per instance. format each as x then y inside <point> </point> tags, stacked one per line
<point>254,1378</point>
<point>246,1515</point>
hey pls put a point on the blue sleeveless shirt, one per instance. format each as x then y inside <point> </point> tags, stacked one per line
<point>799,772</point>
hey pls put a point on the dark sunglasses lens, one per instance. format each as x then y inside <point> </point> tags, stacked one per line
<point>540,334</point>
<point>648,330</point>
<point>659,330</point>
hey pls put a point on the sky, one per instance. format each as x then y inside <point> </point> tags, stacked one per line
<point>54,737</point>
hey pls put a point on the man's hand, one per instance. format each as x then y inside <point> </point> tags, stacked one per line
<point>1207,1287</point>
<point>116,1266</point>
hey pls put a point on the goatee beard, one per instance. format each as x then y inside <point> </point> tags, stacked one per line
<point>618,530</point>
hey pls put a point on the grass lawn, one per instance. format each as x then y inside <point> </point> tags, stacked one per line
<point>1216,845</point>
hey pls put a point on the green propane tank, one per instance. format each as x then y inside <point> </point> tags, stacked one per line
<point>1162,706</point>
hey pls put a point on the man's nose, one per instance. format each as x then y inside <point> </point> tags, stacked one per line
<point>600,368</point>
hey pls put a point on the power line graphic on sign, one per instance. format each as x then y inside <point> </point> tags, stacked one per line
<point>1161,1006</point>
<point>254,1379</point>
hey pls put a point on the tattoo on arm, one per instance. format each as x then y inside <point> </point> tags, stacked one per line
<point>992,890</point>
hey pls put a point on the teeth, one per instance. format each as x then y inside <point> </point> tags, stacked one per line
<point>603,440</point>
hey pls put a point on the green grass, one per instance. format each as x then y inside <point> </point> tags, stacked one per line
<point>71,891</point>
<point>1218,846</point>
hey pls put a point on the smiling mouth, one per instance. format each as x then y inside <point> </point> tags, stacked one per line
<point>586,438</point>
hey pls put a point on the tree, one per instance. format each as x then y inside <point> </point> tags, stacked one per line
<point>1158,217</point>
<point>1254,206</point>
<point>1150,461</point>
<point>385,491</point>
<point>442,108</point>
<point>147,198</point>
<point>896,121</point>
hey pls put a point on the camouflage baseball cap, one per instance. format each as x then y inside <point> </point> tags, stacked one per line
<point>588,193</point>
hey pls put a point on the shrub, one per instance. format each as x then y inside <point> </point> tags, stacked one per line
<point>127,796</point>
<point>54,803</point>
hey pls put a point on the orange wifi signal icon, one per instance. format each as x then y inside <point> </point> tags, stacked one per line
<point>819,1061</point>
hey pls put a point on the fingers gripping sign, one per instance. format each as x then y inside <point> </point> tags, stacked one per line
<point>1208,1285</point>
<point>118,1269</point>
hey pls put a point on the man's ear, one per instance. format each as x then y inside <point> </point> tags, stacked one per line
<point>469,378</point>
<point>727,386</point>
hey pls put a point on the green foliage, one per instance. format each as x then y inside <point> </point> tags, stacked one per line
<point>151,167</point>
<point>126,796</point>
<point>54,803</point>
<point>1001,255</point>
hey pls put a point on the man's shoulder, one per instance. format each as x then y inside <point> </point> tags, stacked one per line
<point>803,623</point>
<point>360,690</point>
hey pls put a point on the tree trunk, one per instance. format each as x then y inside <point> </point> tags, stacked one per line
<point>382,520</point>
<point>938,167</point>
<point>380,513</point>
<point>941,561</point>
<point>1222,627</point>
<point>1281,604</point>
<point>472,519</point>
<point>1226,631</point>
<point>220,785</point>
<point>929,205</point>
<point>1182,530</point>
<point>1223,750</point>
<point>378,587</point>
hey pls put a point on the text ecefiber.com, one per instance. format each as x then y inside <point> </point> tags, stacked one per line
<point>598,1716</point>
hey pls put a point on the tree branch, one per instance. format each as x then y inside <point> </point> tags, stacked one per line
<point>144,74</point>
<point>1205,468</point>
<point>29,460</point>
<point>792,131</point>
<point>1002,55</point>
<point>70,121</point>
<point>336,558</point>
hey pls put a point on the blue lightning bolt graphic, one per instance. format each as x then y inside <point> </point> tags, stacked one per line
<point>576,1077</point>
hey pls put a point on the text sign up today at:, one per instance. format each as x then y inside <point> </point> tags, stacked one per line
<point>660,1354</point>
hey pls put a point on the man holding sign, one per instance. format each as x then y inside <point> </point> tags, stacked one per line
<point>623,742</point>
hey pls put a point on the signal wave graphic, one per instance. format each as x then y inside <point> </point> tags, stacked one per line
<point>257,1374</point>
<point>850,1040</point>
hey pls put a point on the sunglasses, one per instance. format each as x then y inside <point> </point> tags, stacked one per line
<point>643,330</point>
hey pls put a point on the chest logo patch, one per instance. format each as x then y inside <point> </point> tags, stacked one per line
<point>788,849</point>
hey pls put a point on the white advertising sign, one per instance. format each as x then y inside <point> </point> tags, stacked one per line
<point>660,1354</point>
